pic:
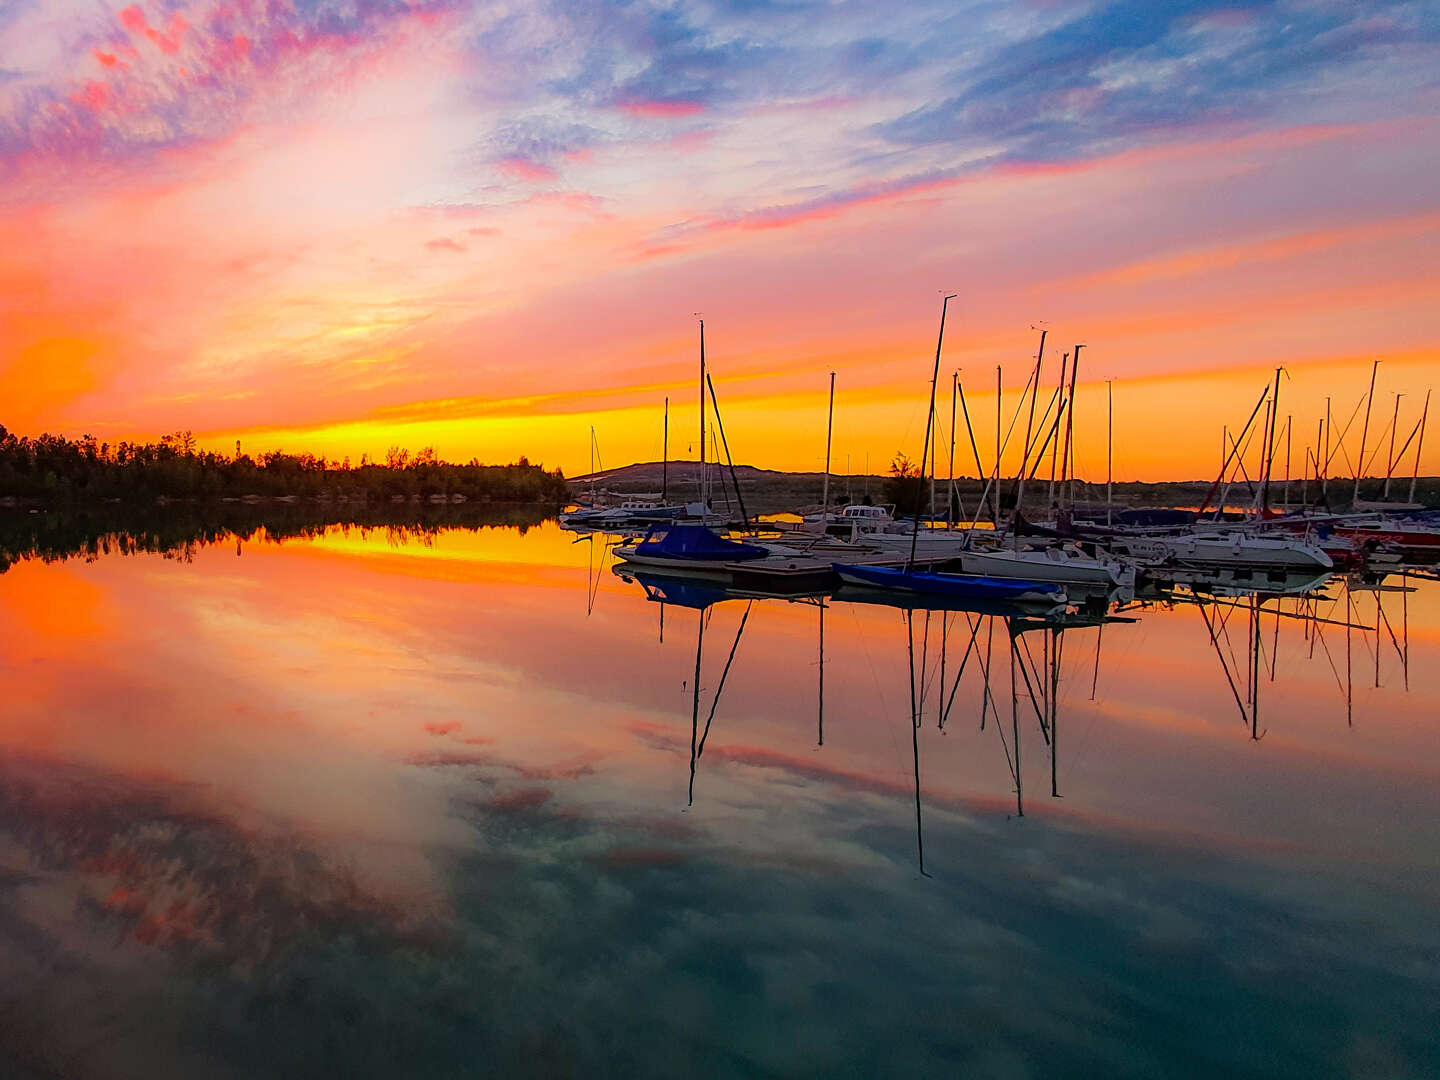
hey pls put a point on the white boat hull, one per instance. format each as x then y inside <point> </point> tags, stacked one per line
<point>1039,566</point>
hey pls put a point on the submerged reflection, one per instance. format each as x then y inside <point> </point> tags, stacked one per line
<point>386,803</point>
<point>1034,674</point>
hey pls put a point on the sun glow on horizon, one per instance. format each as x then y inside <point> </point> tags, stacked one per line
<point>414,225</point>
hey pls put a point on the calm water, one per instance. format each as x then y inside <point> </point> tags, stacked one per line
<point>373,805</point>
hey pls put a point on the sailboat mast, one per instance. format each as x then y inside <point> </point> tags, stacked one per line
<point>929,427</point>
<point>950,499</point>
<point>1274,417</point>
<point>1025,446</point>
<point>665,452</point>
<point>1325,474</point>
<point>1289,419</point>
<point>829,427</point>
<point>1390,454</point>
<point>1029,425</point>
<point>1424,414</point>
<point>934,455</point>
<point>1364,434</point>
<point>1109,452</point>
<point>1070,429</point>
<point>999,390</point>
<point>1055,450</point>
<point>704,503</point>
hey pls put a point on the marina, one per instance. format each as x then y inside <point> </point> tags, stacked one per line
<point>505,571</point>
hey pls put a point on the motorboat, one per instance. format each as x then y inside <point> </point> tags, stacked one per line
<point>1059,564</point>
<point>1237,548</point>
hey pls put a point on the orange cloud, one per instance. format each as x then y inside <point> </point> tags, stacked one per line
<point>47,375</point>
<point>1263,249</point>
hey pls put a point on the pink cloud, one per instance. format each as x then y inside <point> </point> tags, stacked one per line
<point>443,243</point>
<point>232,54</point>
<point>662,109</point>
<point>527,169</point>
<point>93,95</point>
<point>133,19</point>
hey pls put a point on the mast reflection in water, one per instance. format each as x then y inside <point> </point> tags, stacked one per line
<point>450,799</point>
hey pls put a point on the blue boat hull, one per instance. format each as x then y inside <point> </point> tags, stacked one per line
<point>951,585</point>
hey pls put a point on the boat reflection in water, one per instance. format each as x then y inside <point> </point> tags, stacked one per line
<point>1026,664</point>
<point>444,797</point>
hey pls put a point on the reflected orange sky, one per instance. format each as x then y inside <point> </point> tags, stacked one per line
<point>405,226</point>
<point>348,683</point>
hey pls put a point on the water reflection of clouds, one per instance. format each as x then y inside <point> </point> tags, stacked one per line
<point>417,822</point>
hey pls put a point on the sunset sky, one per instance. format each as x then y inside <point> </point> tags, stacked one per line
<point>338,226</point>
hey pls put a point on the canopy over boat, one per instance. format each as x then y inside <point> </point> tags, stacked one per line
<point>694,542</point>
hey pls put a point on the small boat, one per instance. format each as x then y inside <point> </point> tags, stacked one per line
<point>1060,565</point>
<point>1412,540</point>
<point>641,510</point>
<point>1240,549</point>
<point>693,546</point>
<point>853,522</point>
<point>959,586</point>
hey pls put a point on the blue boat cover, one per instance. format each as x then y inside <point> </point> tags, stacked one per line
<point>695,542</point>
<point>957,585</point>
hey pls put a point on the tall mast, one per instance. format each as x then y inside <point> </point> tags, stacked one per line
<point>1325,475</point>
<point>1055,450</point>
<point>1364,434</point>
<point>1390,454</point>
<point>665,452</point>
<point>829,427</point>
<point>975,449</point>
<point>1424,414</point>
<point>1109,456</point>
<point>703,501</point>
<point>998,391</point>
<point>1289,419</point>
<point>1274,423</point>
<point>950,499</point>
<point>1030,417</point>
<point>934,454</point>
<point>1261,496</point>
<point>1025,446</point>
<point>929,427</point>
<point>1070,428</point>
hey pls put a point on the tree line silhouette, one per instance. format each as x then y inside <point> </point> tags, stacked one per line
<point>54,469</point>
